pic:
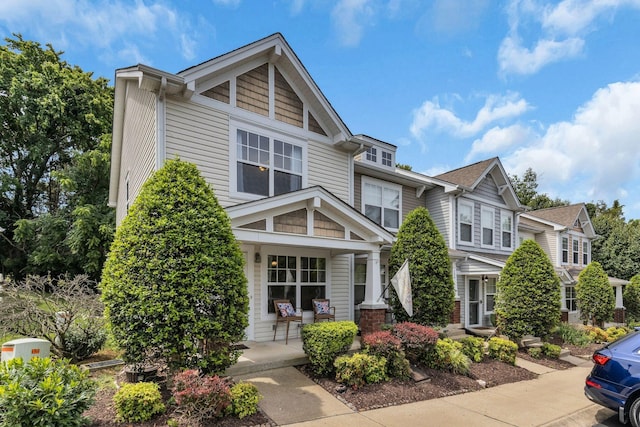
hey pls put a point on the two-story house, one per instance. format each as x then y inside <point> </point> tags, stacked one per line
<point>565,234</point>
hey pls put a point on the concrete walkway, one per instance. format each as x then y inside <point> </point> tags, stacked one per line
<point>554,399</point>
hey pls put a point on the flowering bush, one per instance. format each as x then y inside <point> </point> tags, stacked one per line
<point>200,396</point>
<point>385,344</point>
<point>416,339</point>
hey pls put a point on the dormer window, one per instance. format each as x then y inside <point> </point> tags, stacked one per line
<point>387,159</point>
<point>372,154</point>
<point>379,156</point>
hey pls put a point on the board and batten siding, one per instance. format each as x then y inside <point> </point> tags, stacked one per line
<point>138,161</point>
<point>329,168</point>
<point>200,134</point>
<point>439,208</point>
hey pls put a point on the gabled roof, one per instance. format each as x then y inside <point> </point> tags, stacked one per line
<point>469,177</point>
<point>565,217</point>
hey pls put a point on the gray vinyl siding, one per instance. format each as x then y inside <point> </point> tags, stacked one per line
<point>410,201</point>
<point>496,248</point>
<point>463,300</point>
<point>488,190</point>
<point>328,168</point>
<point>438,205</point>
<point>138,160</point>
<point>200,134</point>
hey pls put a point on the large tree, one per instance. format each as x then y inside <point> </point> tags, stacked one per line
<point>526,189</point>
<point>433,294</point>
<point>173,285</point>
<point>528,298</point>
<point>50,113</point>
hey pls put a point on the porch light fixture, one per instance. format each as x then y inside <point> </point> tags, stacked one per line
<point>485,278</point>
<point>257,258</point>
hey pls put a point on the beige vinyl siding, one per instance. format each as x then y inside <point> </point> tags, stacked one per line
<point>200,134</point>
<point>328,168</point>
<point>139,146</point>
<point>341,286</point>
<point>357,192</point>
<point>438,205</point>
<point>410,201</point>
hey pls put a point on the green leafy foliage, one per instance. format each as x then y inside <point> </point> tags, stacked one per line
<point>323,342</point>
<point>174,284</point>
<point>528,298</point>
<point>631,298</point>
<point>571,334</point>
<point>616,332</point>
<point>52,115</point>
<point>596,299</point>
<point>360,369</point>
<point>201,396</point>
<point>526,190</point>
<point>503,350</point>
<point>244,400</point>
<point>447,355</point>
<point>44,392</point>
<point>416,339</point>
<point>138,402</point>
<point>432,289</point>
<point>551,350</point>
<point>473,348</point>
<point>384,344</point>
<point>535,352</point>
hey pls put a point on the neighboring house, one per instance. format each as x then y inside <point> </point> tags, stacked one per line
<point>279,159</point>
<point>565,234</point>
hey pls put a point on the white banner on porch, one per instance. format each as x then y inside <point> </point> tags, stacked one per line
<point>401,282</point>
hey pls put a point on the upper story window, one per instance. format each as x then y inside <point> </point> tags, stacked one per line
<point>585,252</point>
<point>379,156</point>
<point>565,250</point>
<point>576,253</point>
<point>488,223</point>
<point>387,158</point>
<point>506,220</point>
<point>267,166</point>
<point>381,202</point>
<point>372,154</point>
<point>465,222</point>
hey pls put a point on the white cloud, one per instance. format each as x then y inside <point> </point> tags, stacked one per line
<point>431,116</point>
<point>514,58</point>
<point>499,139</point>
<point>350,18</point>
<point>595,155</point>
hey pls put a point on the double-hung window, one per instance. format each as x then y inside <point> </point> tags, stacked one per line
<point>465,222</point>
<point>565,250</point>
<point>381,202</point>
<point>506,220</point>
<point>488,224</point>
<point>576,253</point>
<point>585,252</point>
<point>570,298</point>
<point>490,295</point>
<point>296,278</point>
<point>267,166</point>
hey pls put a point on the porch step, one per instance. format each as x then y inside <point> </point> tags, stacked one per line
<point>530,341</point>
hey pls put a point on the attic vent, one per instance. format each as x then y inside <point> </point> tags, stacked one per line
<point>253,90</point>
<point>219,93</point>
<point>314,126</point>
<point>288,105</point>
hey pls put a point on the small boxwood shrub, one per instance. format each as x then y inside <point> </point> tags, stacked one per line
<point>473,348</point>
<point>201,396</point>
<point>360,369</point>
<point>138,402</point>
<point>385,344</point>
<point>535,352</point>
<point>551,350</point>
<point>44,392</point>
<point>447,355</point>
<point>244,400</point>
<point>503,350</point>
<point>416,339</point>
<point>323,342</point>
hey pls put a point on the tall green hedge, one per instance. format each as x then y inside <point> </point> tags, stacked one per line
<point>596,299</point>
<point>528,298</point>
<point>173,285</point>
<point>432,289</point>
<point>631,299</point>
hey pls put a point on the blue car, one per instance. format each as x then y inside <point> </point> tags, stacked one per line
<point>614,381</point>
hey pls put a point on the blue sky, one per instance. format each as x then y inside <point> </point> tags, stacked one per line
<point>551,85</point>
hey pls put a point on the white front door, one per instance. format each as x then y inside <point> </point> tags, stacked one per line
<point>474,303</point>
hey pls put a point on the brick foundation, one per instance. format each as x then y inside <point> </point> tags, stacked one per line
<point>618,315</point>
<point>564,316</point>
<point>455,314</point>
<point>371,320</point>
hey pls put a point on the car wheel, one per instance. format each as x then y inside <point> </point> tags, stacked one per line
<point>634,413</point>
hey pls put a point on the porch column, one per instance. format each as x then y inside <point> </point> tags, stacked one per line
<point>564,310</point>
<point>372,309</point>
<point>619,314</point>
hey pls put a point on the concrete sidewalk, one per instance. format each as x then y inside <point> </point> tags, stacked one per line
<point>292,399</point>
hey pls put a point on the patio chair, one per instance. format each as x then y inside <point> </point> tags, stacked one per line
<point>322,310</point>
<point>285,313</point>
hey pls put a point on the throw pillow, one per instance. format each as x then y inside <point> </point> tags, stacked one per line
<point>286,309</point>
<point>322,307</point>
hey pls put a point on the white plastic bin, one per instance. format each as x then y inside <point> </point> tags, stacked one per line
<point>26,348</point>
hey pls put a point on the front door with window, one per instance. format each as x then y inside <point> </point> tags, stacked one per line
<point>474,304</point>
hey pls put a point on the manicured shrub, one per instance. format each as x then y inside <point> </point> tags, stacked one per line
<point>473,348</point>
<point>323,342</point>
<point>570,334</point>
<point>360,369</point>
<point>535,352</point>
<point>385,344</point>
<point>615,332</point>
<point>596,299</point>
<point>173,284</point>
<point>138,402</point>
<point>447,355</point>
<point>551,350</point>
<point>416,339</point>
<point>596,334</point>
<point>44,392</point>
<point>432,289</point>
<point>528,298</point>
<point>631,298</point>
<point>244,400</point>
<point>201,396</point>
<point>503,350</point>
<point>84,338</point>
